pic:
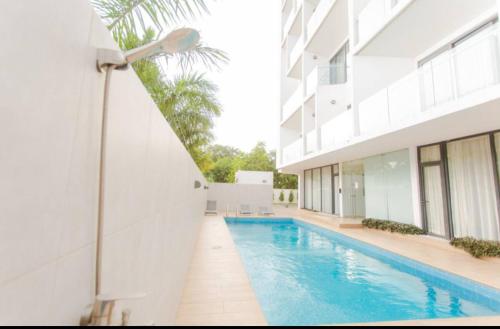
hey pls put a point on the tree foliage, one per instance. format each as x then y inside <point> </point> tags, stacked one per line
<point>228,160</point>
<point>128,18</point>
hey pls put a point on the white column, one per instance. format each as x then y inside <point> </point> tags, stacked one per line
<point>341,186</point>
<point>415,187</point>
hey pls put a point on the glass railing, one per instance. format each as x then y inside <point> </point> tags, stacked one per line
<point>293,152</point>
<point>312,142</point>
<point>470,67</point>
<point>373,16</point>
<point>326,75</point>
<point>338,131</point>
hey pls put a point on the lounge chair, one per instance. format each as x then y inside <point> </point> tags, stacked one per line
<point>265,211</point>
<point>245,210</point>
<point>211,208</point>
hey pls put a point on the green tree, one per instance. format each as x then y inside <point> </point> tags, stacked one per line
<point>223,171</point>
<point>188,102</point>
<point>190,105</point>
<point>291,197</point>
<point>258,159</point>
<point>125,18</point>
<point>219,151</point>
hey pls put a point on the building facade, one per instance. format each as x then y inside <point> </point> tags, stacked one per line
<point>391,110</point>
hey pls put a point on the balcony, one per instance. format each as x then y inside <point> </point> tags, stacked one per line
<point>407,28</point>
<point>338,131</point>
<point>293,152</point>
<point>293,104</point>
<point>293,23</point>
<point>327,75</point>
<point>454,75</point>
<point>294,69</point>
<point>312,142</point>
<point>328,27</point>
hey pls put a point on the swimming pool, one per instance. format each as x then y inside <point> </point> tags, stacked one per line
<point>306,275</point>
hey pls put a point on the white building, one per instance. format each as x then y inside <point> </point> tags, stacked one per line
<point>391,110</point>
<point>255,178</point>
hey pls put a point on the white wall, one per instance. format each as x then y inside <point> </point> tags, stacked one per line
<point>255,178</point>
<point>232,196</point>
<point>50,106</point>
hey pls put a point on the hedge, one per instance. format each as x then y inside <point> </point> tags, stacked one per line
<point>393,227</point>
<point>478,248</point>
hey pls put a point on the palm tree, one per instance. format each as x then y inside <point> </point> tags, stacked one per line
<point>190,105</point>
<point>131,17</point>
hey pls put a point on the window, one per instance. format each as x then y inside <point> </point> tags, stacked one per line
<point>327,190</point>
<point>472,189</point>
<point>316,190</point>
<point>338,66</point>
<point>308,189</point>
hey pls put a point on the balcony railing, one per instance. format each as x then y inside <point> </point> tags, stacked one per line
<point>318,17</point>
<point>293,152</point>
<point>312,142</point>
<point>324,76</point>
<point>468,68</point>
<point>338,131</point>
<point>373,16</point>
<point>294,103</point>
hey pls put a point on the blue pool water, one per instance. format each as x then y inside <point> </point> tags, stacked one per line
<point>305,275</point>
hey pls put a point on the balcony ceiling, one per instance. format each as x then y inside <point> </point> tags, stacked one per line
<point>332,32</point>
<point>293,122</point>
<point>421,25</point>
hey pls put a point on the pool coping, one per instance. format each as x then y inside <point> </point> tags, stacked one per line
<point>486,321</point>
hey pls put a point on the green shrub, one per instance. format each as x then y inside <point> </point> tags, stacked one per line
<point>393,227</point>
<point>291,197</point>
<point>478,248</point>
<point>282,196</point>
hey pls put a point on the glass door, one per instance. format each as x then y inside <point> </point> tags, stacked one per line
<point>327,190</point>
<point>336,189</point>
<point>316,178</point>
<point>434,201</point>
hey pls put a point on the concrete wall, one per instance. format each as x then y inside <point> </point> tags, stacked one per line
<point>255,178</point>
<point>232,196</point>
<point>50,108</point>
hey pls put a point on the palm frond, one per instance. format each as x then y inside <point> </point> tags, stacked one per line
<point>131,16</point>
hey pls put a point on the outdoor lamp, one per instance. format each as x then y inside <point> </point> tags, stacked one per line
<point>108,60</point>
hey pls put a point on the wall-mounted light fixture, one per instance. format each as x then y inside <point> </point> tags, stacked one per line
<point>333,102</point>
<point>197,185</point>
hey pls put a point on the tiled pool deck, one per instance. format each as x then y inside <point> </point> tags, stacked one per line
<point>218,290</point>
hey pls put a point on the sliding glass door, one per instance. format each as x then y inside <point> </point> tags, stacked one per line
<point>336,189</point>
<point>308,190</point>
<point>327,190</point>
<point>316,190</point>
<point>473,191</point>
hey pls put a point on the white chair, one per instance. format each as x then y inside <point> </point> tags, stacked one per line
<point>265,211</point>
<point>245,210</point>
<point>211,208</point>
